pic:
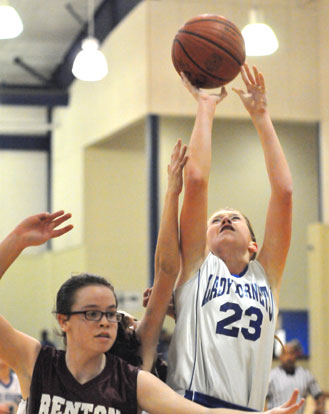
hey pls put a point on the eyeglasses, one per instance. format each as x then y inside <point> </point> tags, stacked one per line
<point>97,315</point>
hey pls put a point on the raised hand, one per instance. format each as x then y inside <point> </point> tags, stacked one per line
<point>171,306</point>
<point>146,296</point>
<point>175,168</point>
<point>254,98</point>
<point>38,229</point>
<point>289,407</point>
<point>200,94</point>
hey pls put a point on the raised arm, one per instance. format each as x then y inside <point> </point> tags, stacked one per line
<point>193,221</point>
<point>32,231</point>
<point>16,348</point>
<point>167,260</point>
<point>277,236</point>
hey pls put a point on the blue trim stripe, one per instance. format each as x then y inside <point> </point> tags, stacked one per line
<point>244,271</point>
<point>212,402</point>
<point>196,330</point>
<point>11,379</point>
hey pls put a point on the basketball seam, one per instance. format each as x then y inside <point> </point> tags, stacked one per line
<point>213,43</point>
<point>236,30</point>
<point>193,61</point>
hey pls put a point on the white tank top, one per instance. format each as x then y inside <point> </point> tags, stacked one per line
<point>222,345</point>
<point>11,392</point>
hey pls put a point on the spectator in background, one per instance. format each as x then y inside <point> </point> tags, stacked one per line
<point>10,393</point>
<point>288,376</point>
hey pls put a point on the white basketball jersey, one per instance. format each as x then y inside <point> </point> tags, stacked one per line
<point>222,344</point>
<point>10,393</point>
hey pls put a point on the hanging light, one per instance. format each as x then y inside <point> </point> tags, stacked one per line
<point>90,63</point>
<point>10,23</point>
<point>259,38</point>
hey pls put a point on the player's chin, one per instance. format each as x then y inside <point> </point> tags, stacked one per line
<point>103,343</point>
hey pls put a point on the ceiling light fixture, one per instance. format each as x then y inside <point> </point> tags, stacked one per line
<point>10,23</point>
<point>90,63</point>
<point>259,38</point>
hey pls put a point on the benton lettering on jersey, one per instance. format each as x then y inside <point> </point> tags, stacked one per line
<point>224,286</point>
<point>58,405</point>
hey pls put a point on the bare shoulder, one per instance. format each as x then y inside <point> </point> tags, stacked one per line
<point>189,269</point>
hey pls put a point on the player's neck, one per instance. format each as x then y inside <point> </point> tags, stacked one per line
<point>235,260</point>
<point>236,265</point>
<point>83,367</point>
<point>237,269</point>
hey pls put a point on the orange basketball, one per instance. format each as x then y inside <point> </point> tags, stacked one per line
<point>209,49</point>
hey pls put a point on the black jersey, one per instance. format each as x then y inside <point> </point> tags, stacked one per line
<point>55,390</point>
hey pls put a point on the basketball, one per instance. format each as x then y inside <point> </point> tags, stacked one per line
<point>209,49</point>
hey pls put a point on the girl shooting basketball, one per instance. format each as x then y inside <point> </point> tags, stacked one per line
<point>226,301</point>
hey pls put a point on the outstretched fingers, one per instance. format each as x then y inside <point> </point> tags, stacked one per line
<point>178,156</point>
<point>201,94</point>
<point>176,166</point>
<point>222,95</point>
<point>176,149</point>
<point>249,75</point>
<point>292,408</point>
<point>289,407</point>
<point>63,230</point>
<point>260,81</point>
<point>60,220</point>
<point>146,296</point>
<point>240,92</point>
<point>292,400</point>
<point>50,221</point>
<point>182,156</point>
<point>246,75</point>
<point>51,216</point>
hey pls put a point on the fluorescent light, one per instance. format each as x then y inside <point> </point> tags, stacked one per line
<point>10,23</point>
<point>259,38</point>
<point>90,63</point>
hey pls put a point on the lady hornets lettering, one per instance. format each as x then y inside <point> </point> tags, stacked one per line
<point>221,286</point>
